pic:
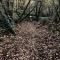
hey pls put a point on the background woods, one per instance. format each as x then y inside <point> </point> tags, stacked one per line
<point>38,10</point>
<point>29,29</point>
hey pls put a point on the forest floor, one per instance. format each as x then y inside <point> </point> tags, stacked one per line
<point>32,42</point>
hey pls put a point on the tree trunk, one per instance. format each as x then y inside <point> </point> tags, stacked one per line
<point>38,9</point>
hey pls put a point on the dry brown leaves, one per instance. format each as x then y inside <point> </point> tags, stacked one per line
<point>32,42</point>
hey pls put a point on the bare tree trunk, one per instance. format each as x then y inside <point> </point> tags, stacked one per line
<point>21,16</point>
<point>59,12</point>
<point>59,4</point>
<point>26,7</point>
<point>36,13</point>
<point>38,9</point>
<point>28,13</point>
